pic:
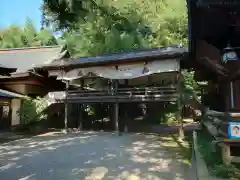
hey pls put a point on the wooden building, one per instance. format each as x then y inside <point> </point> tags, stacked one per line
<point>214,49</point>
<point>119,79</point>
<point>7,101</point>
<point>18,80</point>
<point>214,30</point>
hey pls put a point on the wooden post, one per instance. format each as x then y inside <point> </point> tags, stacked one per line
<point>116,107</point>
<point>125,120</point>
<point>232,104</point>
<point>126,82</point>
<point>66,107</point>
<point>179,88</point>
<point>80,118</point>
<point>226,155</point>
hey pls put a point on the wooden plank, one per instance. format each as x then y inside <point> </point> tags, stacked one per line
<point>211,129</point>
<point>218,113</point>
<point>124,97</point>
<point>122,93</point>
<point>231,140</point>
<point>125,100</point>
<point>129,89</point>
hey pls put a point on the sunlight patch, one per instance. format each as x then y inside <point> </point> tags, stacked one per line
<point>7,166</point>
<point>27,177</point>
<point>97,174</point>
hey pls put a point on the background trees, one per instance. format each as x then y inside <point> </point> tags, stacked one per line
<point>17,37</point>
<point>93,27</point>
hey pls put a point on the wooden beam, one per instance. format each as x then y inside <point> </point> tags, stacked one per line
<point>116,108</point>
<point>179,102</point>
<point>80,118</point>
<point>66,107</point>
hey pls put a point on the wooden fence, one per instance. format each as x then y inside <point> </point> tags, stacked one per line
<point>217,124</point>
<point>149,94</point>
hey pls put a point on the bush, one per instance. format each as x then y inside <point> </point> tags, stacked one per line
<point>32,110</point>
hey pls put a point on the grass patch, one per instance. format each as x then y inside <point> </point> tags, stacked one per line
<point>213,158</point>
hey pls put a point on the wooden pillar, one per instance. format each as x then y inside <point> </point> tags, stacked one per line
<point>66,106</point>
<point>116,116</point>
<point>232,103</point>
<point>80,118</point>
<point>126,119</point>
<point>226,154</point>
<point>179,102</point>
<point>116,108</point>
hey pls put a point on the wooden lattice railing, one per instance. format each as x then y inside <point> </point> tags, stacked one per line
<point>217,124</point>
<point>124,95</point>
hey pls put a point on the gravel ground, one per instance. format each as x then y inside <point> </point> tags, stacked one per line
<point>92,156</point>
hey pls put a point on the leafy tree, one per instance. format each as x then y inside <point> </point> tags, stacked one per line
<point>12,37</point>
<point>17,37</point>
<point>104,26</point>
<point>98,36</point>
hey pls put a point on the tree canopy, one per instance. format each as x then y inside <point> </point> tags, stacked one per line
<point>93,27</point>
<point>17,37</point>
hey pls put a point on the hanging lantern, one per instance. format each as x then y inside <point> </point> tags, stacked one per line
<point>229,54</point>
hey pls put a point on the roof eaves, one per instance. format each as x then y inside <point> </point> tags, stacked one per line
<point>120,57</point>
<point>12,94</point>
<point>27,48</point>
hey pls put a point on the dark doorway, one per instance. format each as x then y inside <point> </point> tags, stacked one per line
<point>5,120</point>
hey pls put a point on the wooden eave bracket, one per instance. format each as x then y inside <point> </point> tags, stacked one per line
<point>218,68</point>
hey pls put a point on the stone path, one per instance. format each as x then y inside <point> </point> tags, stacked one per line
<point>92,156</point>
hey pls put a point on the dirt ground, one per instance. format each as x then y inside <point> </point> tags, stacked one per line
<point>95,156</point>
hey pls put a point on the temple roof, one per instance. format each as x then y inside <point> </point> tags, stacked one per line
<point>24,59</point>
<point>6,71</point>
<point>126,57</point>
<point>9,94</point>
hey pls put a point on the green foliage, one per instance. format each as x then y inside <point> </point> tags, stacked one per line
<point>98,37</point>
<point>161,113</point>
<point>32,110</point>
<point>190,88</point>
<point>170,118</point>
<point>62,13</point>
<point>104,26</point>
<point>17,37</point>
<point>213,158</point>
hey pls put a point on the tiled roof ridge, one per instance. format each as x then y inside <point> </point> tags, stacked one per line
<point>35,47</point>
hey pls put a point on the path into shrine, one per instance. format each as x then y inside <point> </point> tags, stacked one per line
<point>93,156</point>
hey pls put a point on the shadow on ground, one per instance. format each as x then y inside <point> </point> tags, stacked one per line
<point>93,156</point>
